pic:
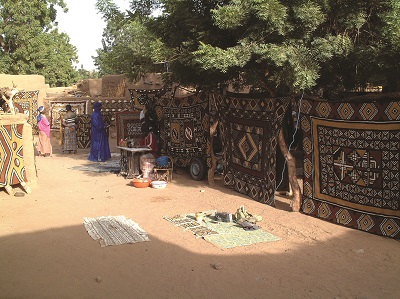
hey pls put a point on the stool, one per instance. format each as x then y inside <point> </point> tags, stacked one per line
<point>164,173</point>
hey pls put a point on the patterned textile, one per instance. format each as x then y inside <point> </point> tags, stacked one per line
<point>352,163</point>
<point>128,124</point>
<point>70,141</point>
<point>26,102</point>
<point>111,166</point>
<point>184,128</point>
<point>84,129</point>
<point>114,230</point>
<point>137,99</point>
<point>12,167</point>
<point>110,106</point>
<point>57,109</point>
<point>222,234</point>
<point>250,126</point>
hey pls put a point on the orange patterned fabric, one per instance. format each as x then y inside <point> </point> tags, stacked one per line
<point>12,167</point>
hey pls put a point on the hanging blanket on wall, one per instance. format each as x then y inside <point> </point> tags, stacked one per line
<point>26,102</point>
<point>12,167</point>
<point>84,130</point>
<point>184,128</point>
<point>128,125</point>
<point>352,163</point>
<point>57,109</point>
<point>250,125</point>
<point>110,106</point>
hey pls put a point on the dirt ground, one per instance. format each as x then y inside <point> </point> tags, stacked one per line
<point>45,251</point>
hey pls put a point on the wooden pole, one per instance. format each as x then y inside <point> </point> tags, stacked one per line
<point>211,171</point>
<point>291,164</point>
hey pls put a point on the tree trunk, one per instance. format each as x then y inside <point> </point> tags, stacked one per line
<point>211,171</point>
<point>291,165</point>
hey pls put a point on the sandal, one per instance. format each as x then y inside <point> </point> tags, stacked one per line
<point>247,225</point>
<point>243,214</point>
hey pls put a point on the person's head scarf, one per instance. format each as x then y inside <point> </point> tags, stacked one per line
<point>97,107</point>
<point>40,110</point>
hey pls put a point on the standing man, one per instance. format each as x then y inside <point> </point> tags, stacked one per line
<point>99,147</point>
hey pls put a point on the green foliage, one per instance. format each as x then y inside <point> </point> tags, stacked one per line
<point>279,45</point>
<point>29,43</point>
<point>128,46</point>
<point>133,53</point>
<point>391,30</point>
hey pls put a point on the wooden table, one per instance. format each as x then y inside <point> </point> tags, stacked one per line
<point>133,155</point>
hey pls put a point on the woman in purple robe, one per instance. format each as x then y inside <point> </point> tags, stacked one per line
<point>99,147</point>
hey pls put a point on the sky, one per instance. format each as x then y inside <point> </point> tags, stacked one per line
<point>84,27</point>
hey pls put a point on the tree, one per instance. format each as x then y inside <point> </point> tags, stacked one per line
<point>295,45</point>
<point>128,46</point>
<point>280,46</point>
<point>31,44</point>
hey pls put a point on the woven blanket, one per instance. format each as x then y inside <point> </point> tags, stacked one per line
<point>112,166</point>
<point>57,109</point>
<point>222,234</point>
<point>110,106</point>
<point>84,130</point>
<point>184,128</point>
<point>128,125</point>
<point>140,98</point>
<point>250,126</point>
<point>12,167</point>
<point>352,163</point>
<point>114,230</point>
<point>26,102</point>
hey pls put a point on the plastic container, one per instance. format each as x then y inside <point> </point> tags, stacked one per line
<point>162,161</point>
<point>158,184</point>
<point>141,182</point>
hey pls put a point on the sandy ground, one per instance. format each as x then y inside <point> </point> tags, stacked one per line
<point>45,251</point>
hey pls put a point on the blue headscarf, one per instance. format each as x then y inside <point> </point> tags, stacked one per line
<point>40,110</point>
<point>97,106</point>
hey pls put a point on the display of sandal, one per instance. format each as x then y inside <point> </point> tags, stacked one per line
<point>242,213</point>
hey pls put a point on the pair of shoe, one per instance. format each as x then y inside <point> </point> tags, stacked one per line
<point>242,214</point>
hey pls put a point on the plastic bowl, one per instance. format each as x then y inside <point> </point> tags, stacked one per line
<point>158,184</point>
<point>141,183</point>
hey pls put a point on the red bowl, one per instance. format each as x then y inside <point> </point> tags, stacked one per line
<point>141,183</point>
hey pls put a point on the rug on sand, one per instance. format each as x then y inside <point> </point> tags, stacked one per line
<point>112,165</point>
<point>222,234</point>
<point>114,230</point>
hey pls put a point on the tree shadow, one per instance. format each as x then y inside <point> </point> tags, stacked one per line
<point>66,263</point>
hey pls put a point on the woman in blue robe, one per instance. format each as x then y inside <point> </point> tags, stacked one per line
<point>99,147</point>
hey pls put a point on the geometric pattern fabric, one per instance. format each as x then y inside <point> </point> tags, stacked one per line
<point>84,130</point>
<point>58,108</point>
<point>250,125</point>
<point>184,128</point>
<point>110,106</point>
<point>12,167</point>
<point>26,102</point>
<point>352,163</point>
<point>128,125</point>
